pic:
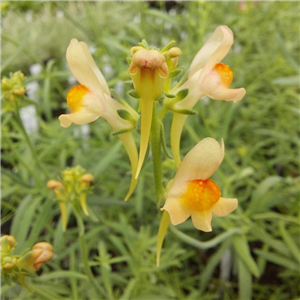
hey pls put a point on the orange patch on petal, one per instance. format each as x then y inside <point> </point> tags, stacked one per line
<point>201,195</point>
<point>75,97</point>
<point>225,73</point>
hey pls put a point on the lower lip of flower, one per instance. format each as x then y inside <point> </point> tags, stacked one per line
<point>225,73</point>
<point>201,195</point>
<point>75,97</point>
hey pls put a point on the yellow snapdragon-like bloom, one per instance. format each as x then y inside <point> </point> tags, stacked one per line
<point>149,71</point>
<point>192,192</point>
<point>92,99</point>
<point>207,76</point>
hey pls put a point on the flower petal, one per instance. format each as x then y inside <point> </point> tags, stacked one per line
<point>202,221</point>
<point>195,93</point>
<point>201,162</point>
<point>178,212</point>
<point>212,86</point>
<point>84,68</point>
<point>95,68</point>
<point>225,206</point>
<point>81,117</point>
<point>214,50</point>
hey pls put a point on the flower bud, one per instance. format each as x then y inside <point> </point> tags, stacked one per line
<point>19,91</point>
<point>174,52</point>
<point>87,178</point>
<point>67,175</point>
<point>10,240</point>
<point>54,185</point>
<point>8,263</point>
<point>43,252</point>
<point>33,260</point>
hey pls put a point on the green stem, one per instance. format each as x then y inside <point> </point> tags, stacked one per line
<point>84,252</point>
<point>156,153</point>
<point>32,149</point>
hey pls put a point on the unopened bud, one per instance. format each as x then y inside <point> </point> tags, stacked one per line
<point>174,52</point>
<point>8,263</point>
<point>32,261</point>
<point>19,91</point>
<point>68,175</point>
<point>10,239</point>
<point>42,252</point>
<point>87,178</point>
<point>54,185</point>
<point>135,49</point>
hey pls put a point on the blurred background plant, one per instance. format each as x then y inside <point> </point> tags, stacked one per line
<point>252,253</point>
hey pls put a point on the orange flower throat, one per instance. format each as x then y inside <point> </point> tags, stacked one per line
<point>225,73</point>
<point>201,195</point>
<point>75,97</point>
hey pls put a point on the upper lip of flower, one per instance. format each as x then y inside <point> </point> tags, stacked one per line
<point>84,68</point>
<point>213,51</point>
<point>201,162</point>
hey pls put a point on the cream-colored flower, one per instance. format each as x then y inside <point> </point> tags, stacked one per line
<point>192,192</point>
<point>207,76</point>
<point>92,99</point>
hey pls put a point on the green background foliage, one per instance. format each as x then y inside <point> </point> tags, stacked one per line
<point>251,254</point>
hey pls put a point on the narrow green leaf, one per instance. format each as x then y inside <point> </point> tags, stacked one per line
<point>134,94</point>
<point>62,274</point>
<point>185,111</point>
<point>124,114</point>
<point>122,131</point>
<point>213,262</point>
<point>175,73</point>
<point>170,44</point>
<point>129,289</point>
<point>278,260</point>
<point>259,201</point>
<point>169,95</point>
<point>182,94</point>
<point>245,280</point>
<point>241,247</point>
<point>23,220</point>
<point>269,240</point>
<point>292,246</point>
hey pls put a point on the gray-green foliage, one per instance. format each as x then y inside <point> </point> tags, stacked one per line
<point>259,258</point>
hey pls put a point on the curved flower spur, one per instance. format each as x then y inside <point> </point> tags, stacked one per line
<point>92,99</point>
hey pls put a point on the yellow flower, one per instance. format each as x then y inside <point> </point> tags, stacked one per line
<point>192,192</point>
<point>92,99</point>
<point>207,76</point>
<point>148,71</point>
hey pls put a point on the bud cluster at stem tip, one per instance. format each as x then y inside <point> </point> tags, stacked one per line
<point>72,188</point>
<point>17,267</point>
